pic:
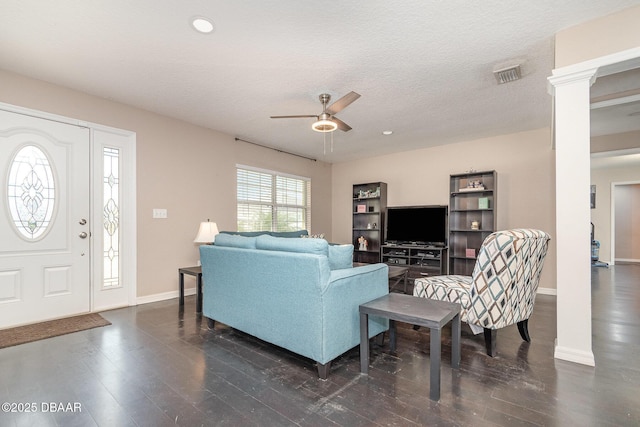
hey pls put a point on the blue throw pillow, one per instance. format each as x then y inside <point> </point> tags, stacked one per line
<point>298,233</point>
<point>235,241</point>
<point>286,244</point>
<point>340,256</point>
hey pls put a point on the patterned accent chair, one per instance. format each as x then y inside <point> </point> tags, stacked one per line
<point>502,288</point>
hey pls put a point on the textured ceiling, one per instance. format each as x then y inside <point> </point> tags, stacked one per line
<point>423,68</point>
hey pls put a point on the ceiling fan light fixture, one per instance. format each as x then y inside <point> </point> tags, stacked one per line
<point>324,126</point>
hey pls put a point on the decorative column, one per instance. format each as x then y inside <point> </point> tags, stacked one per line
<point>573,216</point>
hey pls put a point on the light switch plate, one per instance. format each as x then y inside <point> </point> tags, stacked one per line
<point>160,213</point>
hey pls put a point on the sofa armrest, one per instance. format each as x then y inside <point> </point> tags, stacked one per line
<point>356,271</point>
<point>346,290</point>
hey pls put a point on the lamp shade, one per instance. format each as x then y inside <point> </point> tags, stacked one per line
<point>207,232</point>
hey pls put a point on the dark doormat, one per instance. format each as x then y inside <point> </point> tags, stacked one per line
<point>52,328</point>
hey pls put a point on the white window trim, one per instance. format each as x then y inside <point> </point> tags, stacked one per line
<point>273,202</point>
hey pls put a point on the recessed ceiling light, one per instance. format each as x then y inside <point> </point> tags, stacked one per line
<point>202,25</point>
<point>387,132</point>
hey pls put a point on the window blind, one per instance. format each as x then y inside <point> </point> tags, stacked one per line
<point>272,201</point>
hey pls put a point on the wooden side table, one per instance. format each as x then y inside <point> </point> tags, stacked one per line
<point>192,271</point>
<point>417,311</point>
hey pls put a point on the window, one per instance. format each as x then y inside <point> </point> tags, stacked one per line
<point>31,192</point>
<point>111,217</point>
<point>271,201</point>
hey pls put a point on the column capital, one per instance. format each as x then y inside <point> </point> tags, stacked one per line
<point>571,78</point>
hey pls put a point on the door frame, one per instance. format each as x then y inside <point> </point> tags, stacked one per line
<point>612,243</point>
<point>126,141</point>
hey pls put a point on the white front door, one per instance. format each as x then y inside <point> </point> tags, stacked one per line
<point>44,221</point>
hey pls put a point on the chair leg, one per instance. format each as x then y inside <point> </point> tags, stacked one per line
<point>523,328</point>
<point>323,370</point>
<point>490,341</point>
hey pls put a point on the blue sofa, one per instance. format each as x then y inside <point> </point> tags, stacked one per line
<point>299,294</point>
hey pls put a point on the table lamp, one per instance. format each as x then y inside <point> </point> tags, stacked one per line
<point>207,233</point>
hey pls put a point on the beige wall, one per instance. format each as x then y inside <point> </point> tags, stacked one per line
<point>189,170</point>
<point>593,39</point>
<point>524,163</point>
<point>627,222</point>
<point>186,169</point>
<point>599,37</point>
<point>618,141</point>
<point>603,178</point>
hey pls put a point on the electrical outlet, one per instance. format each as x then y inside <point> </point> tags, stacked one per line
<point>160,213</point>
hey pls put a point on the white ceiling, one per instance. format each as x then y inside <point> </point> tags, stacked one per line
<point>423,68</point>
<point>615,103</point>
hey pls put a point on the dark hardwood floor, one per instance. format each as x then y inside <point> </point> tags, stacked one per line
<point>157,365</point>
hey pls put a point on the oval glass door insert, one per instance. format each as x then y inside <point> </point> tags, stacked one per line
<point>31,192</point>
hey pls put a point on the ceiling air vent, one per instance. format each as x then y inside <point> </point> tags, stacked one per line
<point>508,74</point>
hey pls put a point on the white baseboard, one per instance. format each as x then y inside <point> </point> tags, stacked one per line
<point>164,296</point>
<point>192,291</point>
<point>627,260</point>
<point>573,355</point>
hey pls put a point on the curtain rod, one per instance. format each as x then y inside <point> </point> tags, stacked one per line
<point>276,149</point>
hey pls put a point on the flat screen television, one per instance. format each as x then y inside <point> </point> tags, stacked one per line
<point>420,225</point>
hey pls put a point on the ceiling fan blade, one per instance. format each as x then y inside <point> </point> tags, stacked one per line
<point>342,103</point>
<point>293,117</point>
<point>341,125</point>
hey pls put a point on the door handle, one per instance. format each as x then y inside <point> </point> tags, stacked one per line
<point>83,235</point>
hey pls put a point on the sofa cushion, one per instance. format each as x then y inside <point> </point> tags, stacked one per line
<point>311,246</point>
<point>340,256</point>
<point>235,241</point>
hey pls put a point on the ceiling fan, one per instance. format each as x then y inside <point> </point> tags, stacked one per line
<point>327,121</point>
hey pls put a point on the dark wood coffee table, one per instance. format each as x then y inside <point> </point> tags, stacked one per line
<point>395,272</point>
<point>399,274</point>
<point>416,311</point>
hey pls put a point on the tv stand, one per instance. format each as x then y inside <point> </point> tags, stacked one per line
<point>422,260</point>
